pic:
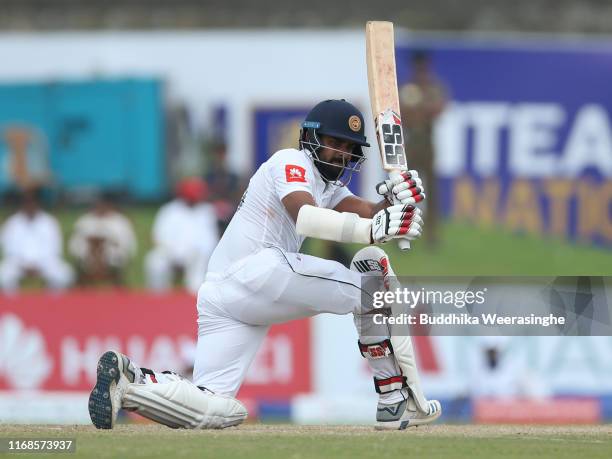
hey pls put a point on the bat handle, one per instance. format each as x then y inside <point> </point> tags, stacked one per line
<point>404,244</point>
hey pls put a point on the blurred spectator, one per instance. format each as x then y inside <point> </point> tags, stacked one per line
<point>31,242</point>
<point>184,235</point>
<point>499,374</point>
<point>422,99</point>
<point>226,187</point>
<point>103,243</point>
<point>183,143</point>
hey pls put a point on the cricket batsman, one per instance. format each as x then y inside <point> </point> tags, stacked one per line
<point>256,277</point>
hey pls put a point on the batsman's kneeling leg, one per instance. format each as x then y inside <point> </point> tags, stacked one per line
<point>181,404</point>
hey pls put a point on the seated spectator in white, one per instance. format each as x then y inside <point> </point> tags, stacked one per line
<point>31,242</point>
<point>103,243</point>
<point>184,236</point>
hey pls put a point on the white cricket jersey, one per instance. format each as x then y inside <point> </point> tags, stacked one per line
<point>261,219</point>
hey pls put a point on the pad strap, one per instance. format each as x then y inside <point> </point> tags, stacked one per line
<point>149,373</point>
<point>376,350</point>
<point>382,386</point>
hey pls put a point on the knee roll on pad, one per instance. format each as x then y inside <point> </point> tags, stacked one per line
<point>181,404</point>
<point>376,350</point>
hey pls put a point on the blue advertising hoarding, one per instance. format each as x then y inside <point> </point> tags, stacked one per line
<point>526,140</point>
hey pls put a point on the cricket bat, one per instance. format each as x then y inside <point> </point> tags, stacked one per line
<point>384,98</point>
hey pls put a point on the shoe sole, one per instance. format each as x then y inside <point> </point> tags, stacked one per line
<point>100,399</point>
<point>402,425</point>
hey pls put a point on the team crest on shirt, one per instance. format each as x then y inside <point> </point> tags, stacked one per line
<point>295,173</point>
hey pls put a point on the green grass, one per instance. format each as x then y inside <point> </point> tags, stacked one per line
<point>256,441</point>
<point>464,250</point>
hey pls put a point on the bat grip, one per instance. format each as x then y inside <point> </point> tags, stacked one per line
<point>404,244</point>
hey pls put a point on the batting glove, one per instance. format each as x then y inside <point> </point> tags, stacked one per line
<point>396,222</point>
<point>403,188</point>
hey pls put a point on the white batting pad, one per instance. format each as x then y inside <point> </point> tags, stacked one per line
<point>181,404</point>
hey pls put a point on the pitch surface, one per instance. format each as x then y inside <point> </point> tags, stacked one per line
<point>285,441</point>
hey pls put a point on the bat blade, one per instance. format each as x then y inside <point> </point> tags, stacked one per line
<point>384,97</point>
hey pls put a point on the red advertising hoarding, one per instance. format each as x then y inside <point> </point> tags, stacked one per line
<point>52,342</point>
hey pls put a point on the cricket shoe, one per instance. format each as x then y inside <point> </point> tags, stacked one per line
<point>403,414</point>
<point>115,373</point>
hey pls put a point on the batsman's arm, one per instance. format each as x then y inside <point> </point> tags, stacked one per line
<point>404,188</point>
<point>332,225</point>
<point>353,204</point>
<point>293,202</point>
<point>326,224</point>
<point>361,207</point>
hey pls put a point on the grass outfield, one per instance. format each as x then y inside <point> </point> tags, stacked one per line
<point>466,250</point>
<point>255,441</point>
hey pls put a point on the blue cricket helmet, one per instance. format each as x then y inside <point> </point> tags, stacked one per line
<point>341,120</point>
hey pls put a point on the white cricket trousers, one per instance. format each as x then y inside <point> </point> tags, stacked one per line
<point>236,309</point>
